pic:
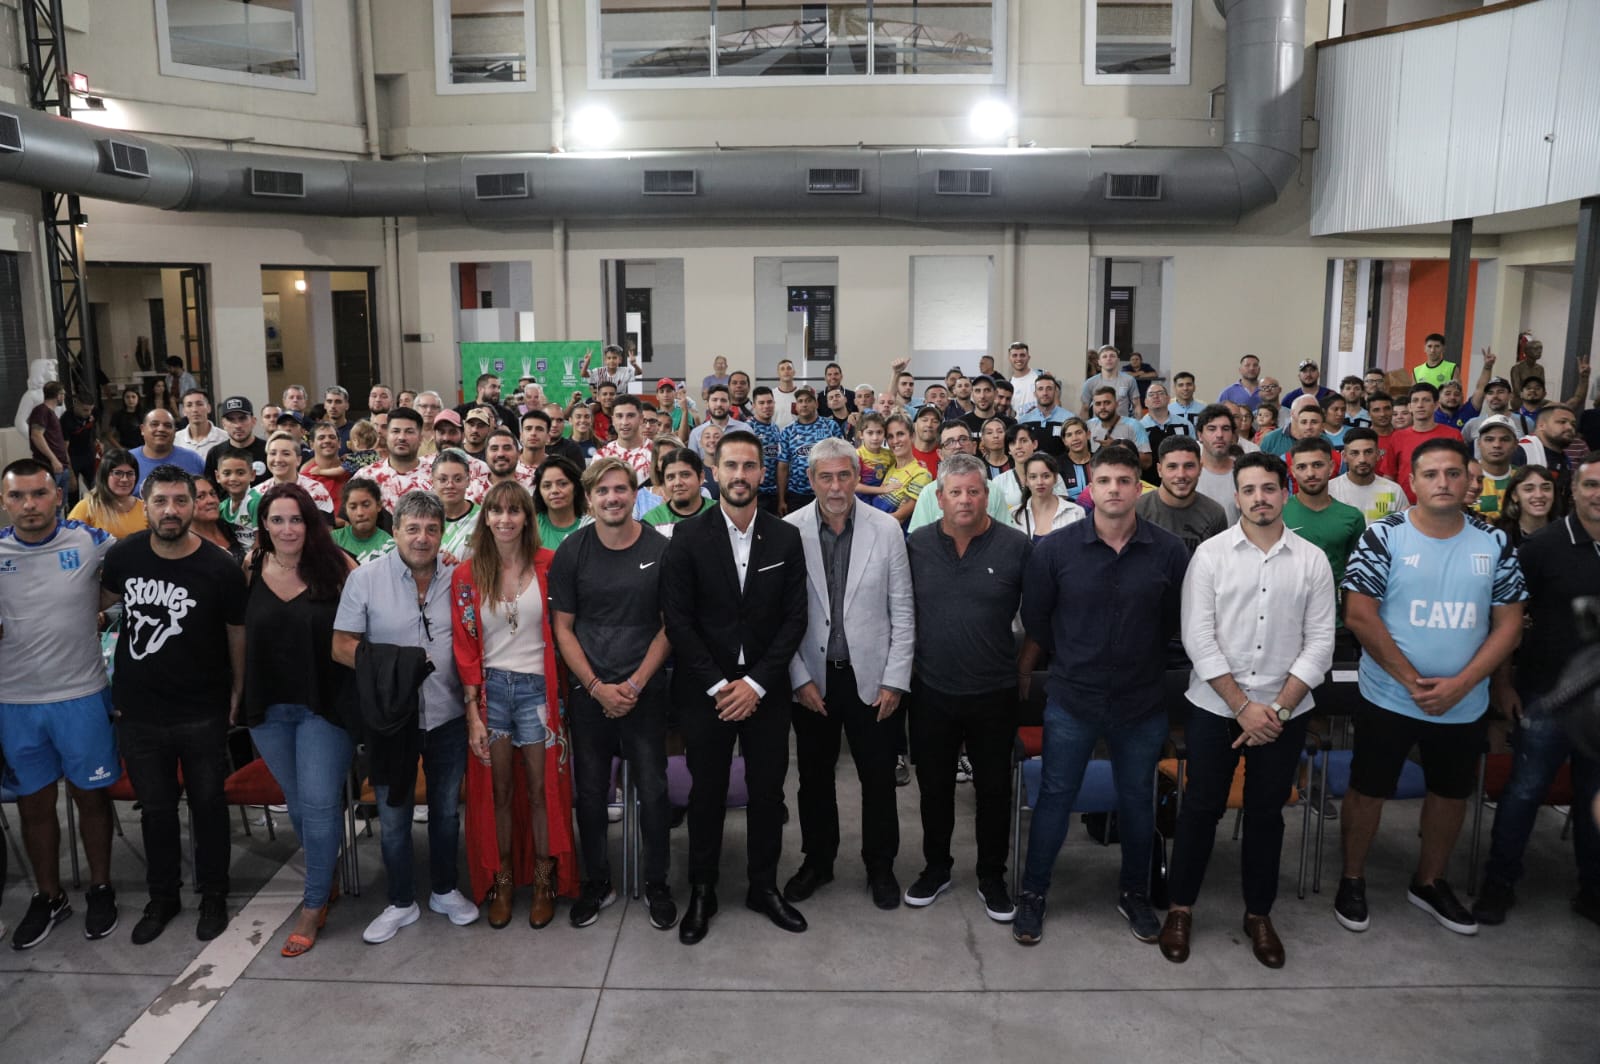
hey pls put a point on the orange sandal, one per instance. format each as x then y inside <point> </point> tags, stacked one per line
<point>297,945</point>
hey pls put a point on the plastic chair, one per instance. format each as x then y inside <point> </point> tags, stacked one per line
<point>679,783</point>
<point>1097,793</point>
<point>7,795</point>
<point>1494,772</point>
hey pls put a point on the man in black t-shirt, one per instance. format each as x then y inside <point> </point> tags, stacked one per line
<point>239,422</point>
<point>605,598</point>
<point>178,678</point>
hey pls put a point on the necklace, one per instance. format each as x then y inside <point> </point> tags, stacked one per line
<point>513,612</point>
<point>285,566</point>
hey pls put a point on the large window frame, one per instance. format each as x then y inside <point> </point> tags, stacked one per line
<point>996,75</point>
<point>305,41</point>
<point>1182,46</point>
<point>443,55</point>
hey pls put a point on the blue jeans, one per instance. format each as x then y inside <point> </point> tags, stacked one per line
<point>444,762</point>
<point>1541,745</point>
<point>1069,743</point>
<point>310,758</point>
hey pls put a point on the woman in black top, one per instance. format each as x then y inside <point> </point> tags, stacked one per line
<point>127,423</point>
<point>292,685</point>
<point>1528,504</point>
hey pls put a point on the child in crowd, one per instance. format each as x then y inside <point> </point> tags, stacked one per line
<point>240,499</point>
<point>875,457</point>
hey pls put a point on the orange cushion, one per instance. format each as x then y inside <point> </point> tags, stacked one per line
<point>1168,767</point>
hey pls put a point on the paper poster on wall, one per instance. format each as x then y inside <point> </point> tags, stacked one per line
<point>553,363</point>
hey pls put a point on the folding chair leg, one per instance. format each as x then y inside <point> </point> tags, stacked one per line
<point>1305,832</point>
<point>271,830</point>
<point>629,873</point>
<point>1238,824</point>
<point>244,818</point>
<point>1322,795</point>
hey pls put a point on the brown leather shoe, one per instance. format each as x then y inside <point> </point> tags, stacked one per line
<point>543,909</point>
<point>1174,938</point>
<point>499,900</point>
<point>1264,942</point>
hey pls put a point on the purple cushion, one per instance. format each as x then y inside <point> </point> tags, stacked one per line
<point>679,781</point>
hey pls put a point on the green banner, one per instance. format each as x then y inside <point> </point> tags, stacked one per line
<point>553,363</point>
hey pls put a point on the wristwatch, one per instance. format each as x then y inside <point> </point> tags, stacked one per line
<point>1283,712</point>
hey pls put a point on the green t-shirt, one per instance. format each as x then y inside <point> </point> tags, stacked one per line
<point>666,515</point>
<point>457,532</point>
<point>550,535</point>
<point>1336,531</point>
<point>363,550</point>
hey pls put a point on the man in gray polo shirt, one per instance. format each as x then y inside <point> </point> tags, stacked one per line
<point>403,599</point>
<point>965,676</point>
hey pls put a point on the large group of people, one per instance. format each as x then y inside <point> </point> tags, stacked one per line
<point>483,606</point>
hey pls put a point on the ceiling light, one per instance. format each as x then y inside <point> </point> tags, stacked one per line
<point>991,120</point>
<point>595,127</point>
<point>78,82</point>
<point>299,284</point>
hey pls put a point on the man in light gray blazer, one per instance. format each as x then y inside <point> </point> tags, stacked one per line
<point>850,671</point>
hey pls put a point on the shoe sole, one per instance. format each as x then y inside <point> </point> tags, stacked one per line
<point>1134,933</point>
<point>92,936</point>
<point>605,903</point>
<point>997,917</point>
<point>19,945</point>
<point>668,926</point>
<point>1024,941</point>
<point>462,921</point>
<point>1444,921</point>
<point>407,922</point>
<point>1351,925</point>
<point>923,903</point>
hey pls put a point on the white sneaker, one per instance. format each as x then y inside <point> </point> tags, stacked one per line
<point>389,922</point>
<point>614,814</point>
<point>460,911</point>
<point>419,814</point>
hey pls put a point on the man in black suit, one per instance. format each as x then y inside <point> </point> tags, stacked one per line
<point>735,606</point>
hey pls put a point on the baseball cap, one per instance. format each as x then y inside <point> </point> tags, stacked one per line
<point>448,415</point>
<point>478,413</point>
<point>1497,382</point>
<point>666,384</point>
<point>1306,363</point>
<point>1497,421</point>
<point>236,404</point>
<point>296,417</point>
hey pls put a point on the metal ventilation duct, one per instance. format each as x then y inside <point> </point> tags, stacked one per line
<point>1063,186</point>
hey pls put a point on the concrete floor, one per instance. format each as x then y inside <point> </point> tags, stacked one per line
<point>936,984</point>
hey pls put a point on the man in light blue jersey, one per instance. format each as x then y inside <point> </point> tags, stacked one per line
<point>1435,596</point>
<point>55,712</point>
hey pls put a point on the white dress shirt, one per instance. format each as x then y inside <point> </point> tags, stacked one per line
<point>1258,616</point>
<point>740,542</point>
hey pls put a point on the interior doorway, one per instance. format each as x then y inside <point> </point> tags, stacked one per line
<point>320,329</point>
<point>141,314</point>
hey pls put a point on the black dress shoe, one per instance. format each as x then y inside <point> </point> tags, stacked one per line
<point>805,882</point>
<point>697,917</point>
<point>770,903</point>
<point>885,890</point>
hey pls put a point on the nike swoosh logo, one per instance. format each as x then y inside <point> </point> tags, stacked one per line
<point>646,565</point>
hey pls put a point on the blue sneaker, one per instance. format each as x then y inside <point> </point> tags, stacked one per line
<point>1028,926</point>
<point>1135,908</point>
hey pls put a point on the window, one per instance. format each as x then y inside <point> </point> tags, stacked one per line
<point>484,45</point>
<point>261,43</point>
<point>1136,42</point>
<point>775,43</point>
<point>814,305</point>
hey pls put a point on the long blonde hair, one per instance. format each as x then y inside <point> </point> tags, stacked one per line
<point>486,569</point>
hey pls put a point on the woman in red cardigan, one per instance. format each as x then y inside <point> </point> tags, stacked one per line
<point>518,808</point>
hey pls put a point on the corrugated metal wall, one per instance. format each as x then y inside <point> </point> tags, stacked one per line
<point>1475,117</point>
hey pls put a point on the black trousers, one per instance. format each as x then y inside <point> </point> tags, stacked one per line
<point>154,753</point>
<point>1268,775</point>
<point>987,724</point>
<point>641,736</point>
<point>872,743</point>
<point>763,737</point>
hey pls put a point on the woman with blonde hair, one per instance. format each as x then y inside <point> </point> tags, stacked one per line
<point>518,808</point>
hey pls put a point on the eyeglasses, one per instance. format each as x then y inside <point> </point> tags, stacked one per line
<point>123,473</point>
<point>422,611</point>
